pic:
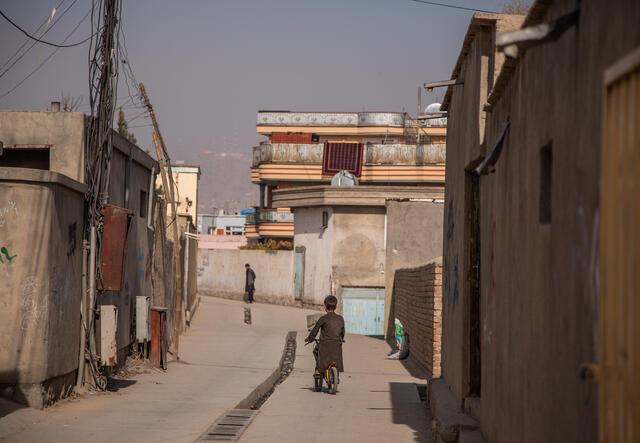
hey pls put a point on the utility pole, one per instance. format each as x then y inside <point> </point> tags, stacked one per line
<point>103,84</point>
<point>165,168</point>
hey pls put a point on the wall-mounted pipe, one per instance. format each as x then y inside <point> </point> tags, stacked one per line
<point>150,198</point>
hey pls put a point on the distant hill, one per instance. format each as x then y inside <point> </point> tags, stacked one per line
<point>225,182</point>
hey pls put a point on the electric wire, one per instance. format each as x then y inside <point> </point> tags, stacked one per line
<point>453,6</point>
<point>55,45</point>
<point>34,43</point>
<point>28,40</point>
<point>45,60</point>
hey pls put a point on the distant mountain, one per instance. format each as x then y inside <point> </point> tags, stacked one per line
<point>225,182</point>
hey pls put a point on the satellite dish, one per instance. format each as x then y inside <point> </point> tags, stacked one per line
<point>344,178</point>
<point>432,108</point>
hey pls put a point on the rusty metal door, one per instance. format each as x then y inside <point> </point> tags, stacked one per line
<point>619,310</point>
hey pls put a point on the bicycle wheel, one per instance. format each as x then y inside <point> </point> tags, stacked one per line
<point>333,380</point>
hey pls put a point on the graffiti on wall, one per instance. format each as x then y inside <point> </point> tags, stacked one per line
<point>7,210</point>
<point>7,256</point>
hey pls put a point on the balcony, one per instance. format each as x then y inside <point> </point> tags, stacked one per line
<point>269,224</point>
<point>374,154</point>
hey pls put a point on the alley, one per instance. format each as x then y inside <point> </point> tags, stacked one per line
<point>222,361</point>
<point>377,400</point>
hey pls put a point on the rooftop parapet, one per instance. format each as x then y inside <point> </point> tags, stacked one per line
<point>288,118</point>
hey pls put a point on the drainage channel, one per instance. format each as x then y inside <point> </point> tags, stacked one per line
<point>231,425</point>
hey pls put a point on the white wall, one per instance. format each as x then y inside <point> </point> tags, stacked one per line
<point>318,245</point>
<point>221,273</point>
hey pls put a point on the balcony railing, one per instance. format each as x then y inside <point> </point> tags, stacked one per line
<point>286,118</point>
<point>269,216</point>
<point>398,153</point>
<point>276,216</point>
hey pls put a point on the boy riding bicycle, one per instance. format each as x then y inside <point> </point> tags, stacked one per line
<point>331,327</point>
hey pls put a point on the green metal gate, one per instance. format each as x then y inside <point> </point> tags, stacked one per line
<point>363,310</point>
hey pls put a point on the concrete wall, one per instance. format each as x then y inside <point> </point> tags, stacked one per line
<point>163,274</point>
<point>317,243</point>
<point>41,225</point>
<point>538,294</point>
<point>417,303</point>
<point>221,273</point>
<point>190,266</point>
<point>358,247</point>
<point>221,241</point>
<point>414,237</point>
<point>64,131</point>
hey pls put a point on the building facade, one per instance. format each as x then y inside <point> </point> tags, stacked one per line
<point>521,299</point>
<point>42,222</point>
<point>186,179</point>
<point>309,148</point>
<point>341,244</point>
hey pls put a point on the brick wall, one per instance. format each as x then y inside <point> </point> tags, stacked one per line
<point>417,303</point>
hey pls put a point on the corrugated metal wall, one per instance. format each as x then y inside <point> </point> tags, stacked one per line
<point>619,335</point>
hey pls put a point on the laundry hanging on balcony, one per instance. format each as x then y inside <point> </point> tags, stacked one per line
<point>342,156</point>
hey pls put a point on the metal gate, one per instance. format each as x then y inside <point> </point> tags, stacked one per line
<point>619,313</point>
<point>363,310</point>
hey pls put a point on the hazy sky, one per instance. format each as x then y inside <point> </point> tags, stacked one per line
<point>209,65</point>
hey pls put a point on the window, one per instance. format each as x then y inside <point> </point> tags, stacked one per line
<point>546,165</point>
<point>325,219</point>
<point>143,204</point>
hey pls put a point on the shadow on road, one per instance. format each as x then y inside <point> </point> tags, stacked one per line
<point>407,409</point>
<point>7,407</point>
<point>115,384</point>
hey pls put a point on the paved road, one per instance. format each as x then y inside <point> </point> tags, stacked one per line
<point>222,361</point>
<point>377,401</point>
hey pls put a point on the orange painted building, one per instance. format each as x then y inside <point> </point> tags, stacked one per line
<point>388,148</point>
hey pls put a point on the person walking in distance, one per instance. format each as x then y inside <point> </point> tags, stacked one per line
<point>249,287</point>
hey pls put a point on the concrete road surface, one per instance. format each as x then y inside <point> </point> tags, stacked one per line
<point>222,361</point>
<point>377,401</point>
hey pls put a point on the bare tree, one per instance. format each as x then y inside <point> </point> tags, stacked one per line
<point>70,103</point>
<point>519,7</point>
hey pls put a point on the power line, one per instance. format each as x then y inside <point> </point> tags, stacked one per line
<point>453,6</point>
<point>27,40</point>
<point>34,43</point>
<point>42,41</point>
<point>46,59</point>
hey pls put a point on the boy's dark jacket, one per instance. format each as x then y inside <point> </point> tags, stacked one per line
<point>331,327</point>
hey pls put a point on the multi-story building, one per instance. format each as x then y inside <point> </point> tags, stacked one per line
<point>221,224</point>
<point>309,148</point>
<point>186,178</point>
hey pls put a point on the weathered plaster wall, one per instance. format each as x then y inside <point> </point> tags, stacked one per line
<point>540,316</point>
<point>65,131</point>
<point>538,288</point>
<point>414,237</point>
<point>41,222</point>
<point>358,256</point>
<point>463,147</point>
<point>317,242</point>
<point>221,273</point>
